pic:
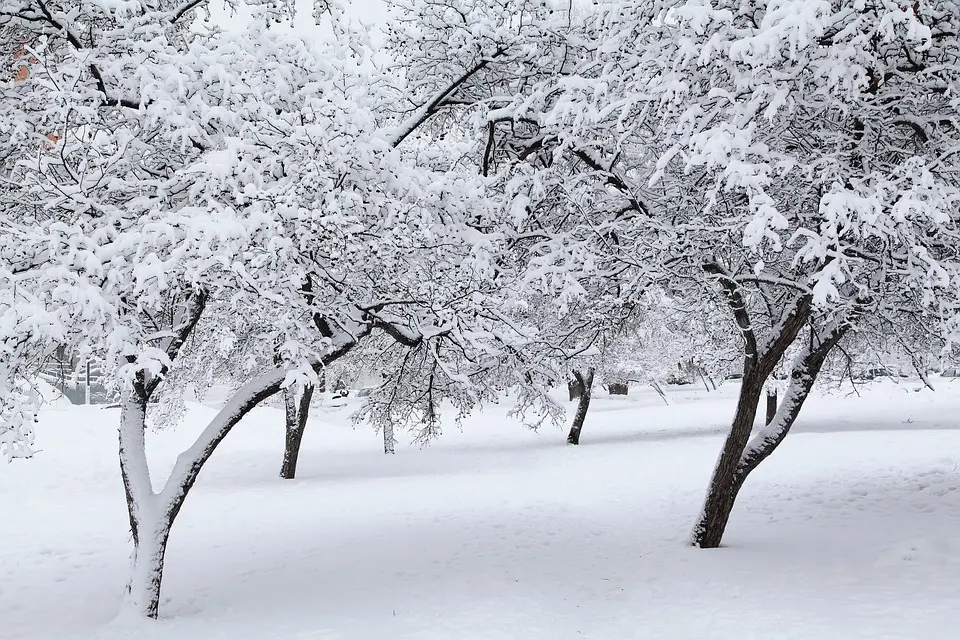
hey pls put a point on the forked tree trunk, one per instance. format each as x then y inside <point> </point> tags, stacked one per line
<point>575,389</point>
<point>585,382</point>
<point>296,404</point>
<point>771,405</point>
<point>758,364</point>
<point>725,487</point>
<point>803,375</point>
<point>150,528</point>
<point>152,514</point>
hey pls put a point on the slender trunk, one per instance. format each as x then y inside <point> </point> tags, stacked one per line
<point>150,530</point>
<point>575,389</point>
<point>585,382</point>
<point>758,364</point>
<point>296,402</point>
<point>709,529</point>
<point>771,405</point>
<point>389,441</point>
<point>728,479</point>
<point>663,396</point>
<point>704,379</point>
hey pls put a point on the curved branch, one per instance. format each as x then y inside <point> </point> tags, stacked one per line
<point>190,462</point>
<point>739,307</point>
<point>441,99</point>
<point>184,9</point>
<point>804,373</point>
<point>77,44</point>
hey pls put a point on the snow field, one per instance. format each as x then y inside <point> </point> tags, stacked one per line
<point>849,531</point>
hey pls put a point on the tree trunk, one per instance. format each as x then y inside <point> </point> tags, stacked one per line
<point>704,379</point>
<point>806,367</point>
<point>663,396</point>
<point>585,382</point>
<point>574,388</point>
<point>152,514</point>
<point>771,405</point>
<point>758,364</point>
<point>296,402</point>
<point>389,441</point>
<point>709,529</point>
<point>728,478</point>
<point>142,594</point>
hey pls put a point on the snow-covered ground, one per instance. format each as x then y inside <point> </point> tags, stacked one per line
<point>851,530</point>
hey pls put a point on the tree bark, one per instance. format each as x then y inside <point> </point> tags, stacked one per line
<point>758,364</point>
<point>709,529</point>
<point>389,441</point>
<point>296,402</point>
<point>575,389</point>
<point>806,367</point>
<point>585,382</point>
<point>771,405</point>
<point>725,486</point>
<point>142,595</point>
<point>150,529</point>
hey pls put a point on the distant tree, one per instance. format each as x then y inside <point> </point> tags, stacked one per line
<point>584,381</point>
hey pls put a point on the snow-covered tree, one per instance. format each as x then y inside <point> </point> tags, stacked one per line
<point>828,128</point>
<point>796,159</point>
<point>196,176</point>
<point>164,198</point>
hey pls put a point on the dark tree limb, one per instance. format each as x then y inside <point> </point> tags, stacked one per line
<point>585,382</point>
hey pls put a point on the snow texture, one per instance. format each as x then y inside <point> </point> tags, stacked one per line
<point>500,532</point>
